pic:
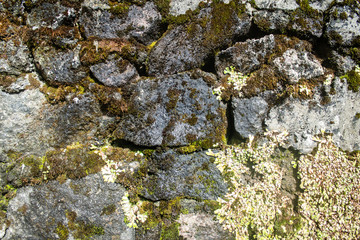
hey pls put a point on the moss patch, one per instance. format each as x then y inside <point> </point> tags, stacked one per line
<point>353,80</point>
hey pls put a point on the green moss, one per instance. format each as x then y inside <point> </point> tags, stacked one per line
<point>353,80</point>
<point>196,146</point>
<point>173,95</point>
<point>62,231</point>
<point>170,232</point>
<point>335,37</point>
<point>108,210</point>
<point>119,8</point>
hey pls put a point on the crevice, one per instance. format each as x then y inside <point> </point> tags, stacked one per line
<point>132,146</point>
<point>232,136</point>
<point>209,64</point>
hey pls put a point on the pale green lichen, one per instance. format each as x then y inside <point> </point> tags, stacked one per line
<point>132,212</point>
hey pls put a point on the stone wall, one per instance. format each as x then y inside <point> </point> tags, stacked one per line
<point>89,83</point>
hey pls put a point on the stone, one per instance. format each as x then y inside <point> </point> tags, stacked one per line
<point>320,5</point>
<point>19,83</point>
<point>343,27</point>
<point>74,209</point>
<point>342,64</point>
<point>295,65</point>
<point>185,48</point>
<point>249,115</point>
<point>271,20</point>
<point>304,119</point>
<point>15,57</point>
<point>51,16</point>
<point>178,7</point>
<point>245,56</point>
<point>59,66</point>
<point>174,111</point>
<point>115,73</point>
<point>277,4</point>
<point>173,175</point>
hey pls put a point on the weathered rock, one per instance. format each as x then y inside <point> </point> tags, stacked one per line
<point>142,23</point>
<point>185,48</point>
<point>277,4</point>
<point>85,208</point>
<point>190,175</point>
<point>15,58</point>
<point>51,16</point>
<point>249,115</point>
<point>295,65</point>
<point>342,64</point>
<point>343,27</point>
<point>59,66</point>
<point>174,110</point>
<point>320,5</point>
<point>245,56</point>
<point>178,7</point>
<point>115,73</point>
<point>12,84</point>
<point>271,20</point>
<point>307,23</point>
<point>305,118</point>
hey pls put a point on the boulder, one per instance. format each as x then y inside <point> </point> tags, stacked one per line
<point>15,57</point>
<point>277,4</point>
<point>174,111</point>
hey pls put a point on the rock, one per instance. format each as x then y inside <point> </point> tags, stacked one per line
<point>343,27</point>
<point>115,73</point>
<point>342,64</point>
<point>307,23</point>
<point>187,47</point>
<point>304,119</point>
<point>245,56</point>
<point>15,57</point>
<point>59,66</point>
<point>174,111</point>
<point>51,16</point>
<point>96,4</point>
<point>295,65</point>
<point>269,21</point>
<point>320,5</point>
<point>249,115</point>
<point>277,4</point>
<point>12,84</point>
<point>85,208</point>
<point>190,175</point>
<point>178,7</point>
<point>142,23</point>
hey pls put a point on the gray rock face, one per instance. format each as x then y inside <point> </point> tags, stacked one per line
<point>342,64</point>
<point>59,66</point>
<point>343,27</point>
<point>178,7</point>
<point>115,73</point>
<point>20,83</point>
<point>51,16</point>
<point>57,210</point>
<point>185,48</point>
<point>142,23</point>
<point>320,5</point>
<point>245,56</point>
<point>15,58</point>
<point>173,111</point>
<point>191,175</point>
<point>304,119</point>
<point>277,4</point>
<point>271,20</point>
<point>295,65</point>
<point>249,115</point>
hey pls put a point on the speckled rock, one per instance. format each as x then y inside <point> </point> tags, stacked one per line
<point>51,16</point>
<point>295,65</point>
<point>115,73</point>
<point>75,209</point>
<point>190,175</point>
<point>320,5</point>
<point>269,21</point>
<point>343,27</point>
<point>186,47</point>
<point>249,115</point>
<point>304,119</point>
<point>342,64</point>
<point>245,56</point>
<point>59,66</point>
<point>15,57</point>
<point>277,4</point>
<point>174,110</point>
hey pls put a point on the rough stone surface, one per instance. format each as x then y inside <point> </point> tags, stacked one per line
<point>40,212</point>
<point>20,83</point>
<point>271,20</point>
<point>304,119</point>
<point>190,175</point>
<point>342,64</point>
<point>59,66</point>
<point>173,111</point>
<point>295,65</point>
<point>115,73</point>
<point>245,56</point>
<point>343,31</point>
<point>249,115</point>
<point>178,7</point>
<point>322,5</point>
<point>15,58</point>
<point>185,48</point>
<point>51,16</point>
<point>277,4</point>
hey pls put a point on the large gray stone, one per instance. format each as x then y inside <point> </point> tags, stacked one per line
<point>246,56</point>
<point>277,4</point>
<point>88,204</point>
<point>173,175</point>
<point>304,119</point>
<point>249,115</point>
<point>271,20</point>
<point>59,66</point>
<point>187,47</point>
<point>343,27</point>
<point>174,111</point>
<point>15,57</point>
<point>295,65</point>
<point>115,73</point>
